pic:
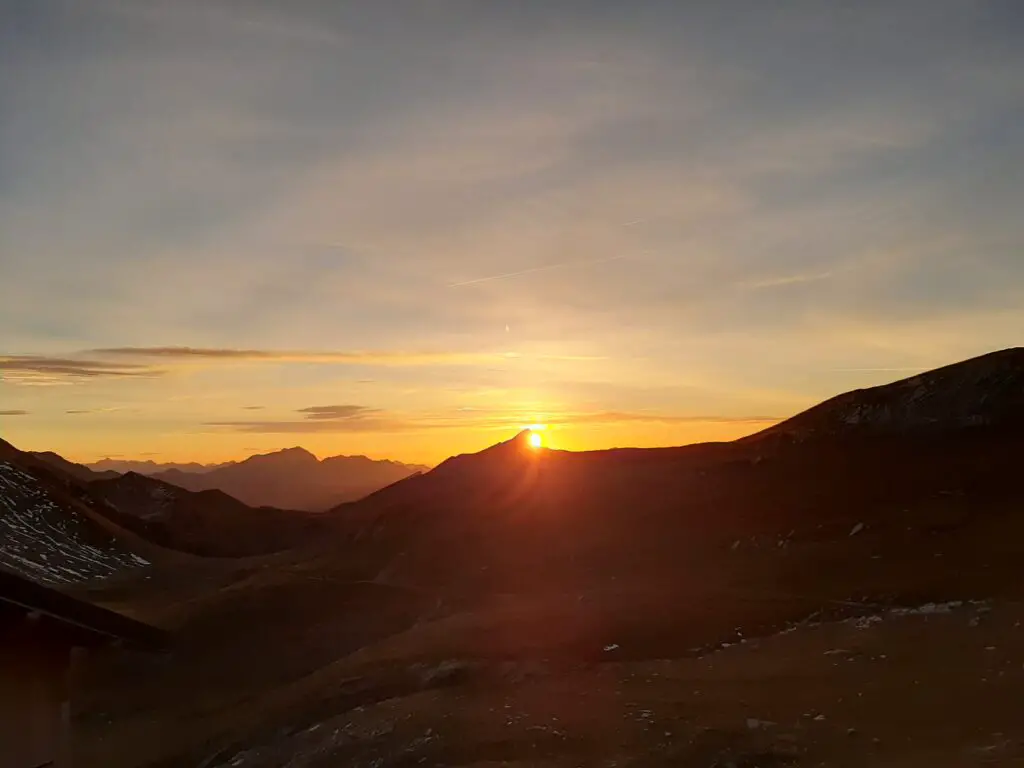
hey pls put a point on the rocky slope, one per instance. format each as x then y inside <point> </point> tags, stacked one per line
<point>986,391</point>
<point>45,536</point>
<point>79,471</point>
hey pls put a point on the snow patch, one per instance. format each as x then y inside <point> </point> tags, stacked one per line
<point>45,541</point>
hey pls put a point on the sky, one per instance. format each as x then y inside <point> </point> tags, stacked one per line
<point>407,229</point>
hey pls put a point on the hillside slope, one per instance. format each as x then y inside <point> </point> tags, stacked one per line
<point>513,517</point>
<point>985,391</point>
<point>208,523</point>
<point>78,471</point>
<point>46,536</point>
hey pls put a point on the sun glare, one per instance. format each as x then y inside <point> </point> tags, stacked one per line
<point>536,440</point>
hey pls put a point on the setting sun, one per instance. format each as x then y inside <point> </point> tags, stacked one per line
<point>536,440</point>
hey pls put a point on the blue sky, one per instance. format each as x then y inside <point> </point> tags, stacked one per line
<point>644,223</point>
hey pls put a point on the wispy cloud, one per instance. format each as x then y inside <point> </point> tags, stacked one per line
<point>618,417</point>
<point>354,418</point>
<point>39,370</point>
<point>311,426</point>
<point>335,412</point>
<point>14,413</point>
<point>253,407</point>
<point>355,357</point>
<point>95,410</point>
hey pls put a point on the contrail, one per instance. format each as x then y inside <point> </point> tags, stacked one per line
<point>530,271</point>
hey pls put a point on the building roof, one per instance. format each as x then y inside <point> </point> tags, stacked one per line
<point>80,622</point>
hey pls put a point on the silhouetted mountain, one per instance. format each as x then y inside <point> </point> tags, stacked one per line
<point>295,479</point>
<point>512,515</point>
<point>81,471</point>
<point>148,467</point>
<point>980,392</point>
<point>209,523</point>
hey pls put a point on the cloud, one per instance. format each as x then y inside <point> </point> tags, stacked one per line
<point>112,409</point>
<point>315,425</point>
<point>39,370</point>
<point>334,412</point>
<point>14,413</point>
<point>354,418</point>
<point>355,357</point>
<point>616,417</point>
<point>253,407</point>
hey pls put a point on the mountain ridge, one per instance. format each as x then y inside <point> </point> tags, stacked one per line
<point>294,478</point>
<point>150,467</point>
<point>580,501</point>
<point>987,390</point>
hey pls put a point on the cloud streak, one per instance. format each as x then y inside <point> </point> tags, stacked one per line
<point>355,418</point>
<point>620,417</point>
<point>337,412</point>
<point>39,369</point>
<point>312,426</point>
<point>355,357</point>
<point>14,413</point>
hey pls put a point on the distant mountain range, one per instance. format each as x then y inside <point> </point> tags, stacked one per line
<point>292,478</point>
<point>149,467</point>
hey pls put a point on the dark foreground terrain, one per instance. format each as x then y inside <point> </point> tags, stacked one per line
<point>843,589</point>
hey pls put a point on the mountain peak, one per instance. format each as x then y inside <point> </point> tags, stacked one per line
<point>293,455</point>
<point>514,449</point>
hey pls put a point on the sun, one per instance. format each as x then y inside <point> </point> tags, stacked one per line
<point>535,435</point>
